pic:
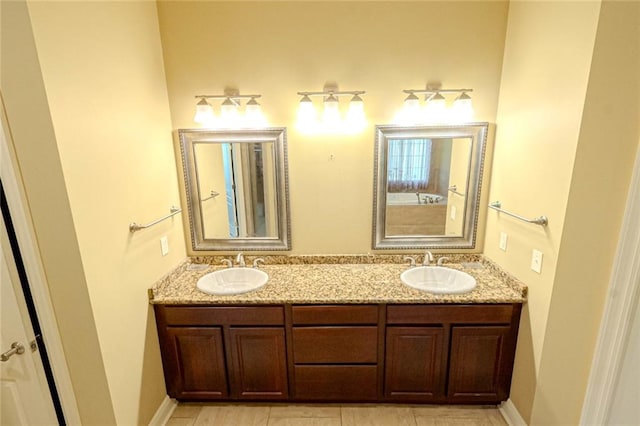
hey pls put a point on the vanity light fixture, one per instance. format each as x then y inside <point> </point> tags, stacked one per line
<point>332,120</point>
<point>204,112</point>
<point>435,109</point>
<point>306,112</point>
<point>355,114</point>
<point>463,107</point>
<point>230,116</point>
<point>331,112</point>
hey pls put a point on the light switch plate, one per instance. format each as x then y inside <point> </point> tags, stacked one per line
<point>536,261</point>
<point>503,241</point>
<point>453,212</point>
<point>164,246</point>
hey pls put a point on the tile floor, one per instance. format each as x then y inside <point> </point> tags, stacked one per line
<point>193,414</point>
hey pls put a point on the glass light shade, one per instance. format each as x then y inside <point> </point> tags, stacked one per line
<point>331,112</point>
<point>204,112</point>
<point>463,108</point>
<point>229,113</point>
<point>356,120</point>
<point>436,109</point>
<point>306,112</point>
<point>411,109</point>
<point>253,114</point>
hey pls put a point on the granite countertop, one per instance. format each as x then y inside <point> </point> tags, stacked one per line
<point>369,279</point>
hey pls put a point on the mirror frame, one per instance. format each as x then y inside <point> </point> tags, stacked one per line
<point>478,133</point>
<point>275,135</point>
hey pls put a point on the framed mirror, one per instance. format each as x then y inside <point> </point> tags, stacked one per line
<point>237,188</point>
<point>427,182</point>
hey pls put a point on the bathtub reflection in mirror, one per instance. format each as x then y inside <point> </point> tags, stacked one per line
<point>427,185</point>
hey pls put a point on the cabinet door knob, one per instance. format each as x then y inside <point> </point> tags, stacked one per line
<point>16,348</point>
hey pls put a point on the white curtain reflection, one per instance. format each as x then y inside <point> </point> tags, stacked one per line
<point>408,164</point>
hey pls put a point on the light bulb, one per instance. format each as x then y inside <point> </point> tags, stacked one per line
<point>356,120</point>
<point>331,112</point>
<point>306,114</point>
<point>411,109</point>
<point>463,108</point>
<point>204,112</point>
<point>229,113</point>
<point>436,108</point>
<point>253,112</point>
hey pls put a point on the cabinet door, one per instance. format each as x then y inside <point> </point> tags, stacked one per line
<point>480,367</point>
<point>258,367</point>
<point>414,363</point>
<point>194,361</point>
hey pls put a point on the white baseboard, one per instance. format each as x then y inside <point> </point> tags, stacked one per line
<point>163,414</point>
<point>511,414</point>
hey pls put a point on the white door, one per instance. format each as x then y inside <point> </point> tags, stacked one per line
<point>24,393</point>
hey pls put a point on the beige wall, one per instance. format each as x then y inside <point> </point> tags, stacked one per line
<point>279,48</point>
<point>458,177</point>
<point>103,77</point>
<point>31,129</point>
<point>554,77</point>
<point>531,172</point>
<point>607,147</point>
<point>215,217</point>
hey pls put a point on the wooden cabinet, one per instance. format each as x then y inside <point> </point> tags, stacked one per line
<point>479,369</point>
<point>335,352</point>
<point>394,353</point>
<point>258,363</point>
<point>415,359</point>
<point>211,353</point>
<point>194,363</point>
<point>453,354</point>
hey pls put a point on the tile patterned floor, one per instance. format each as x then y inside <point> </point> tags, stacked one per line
<point>195,414</point>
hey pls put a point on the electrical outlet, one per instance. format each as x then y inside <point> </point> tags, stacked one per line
<point>164,246</point>
<point>453,212</point>
<point>503,241</point>
<point>536,261</point>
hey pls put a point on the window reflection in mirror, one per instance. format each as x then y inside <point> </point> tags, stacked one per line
<point>420,172</point>
<point>427,182</point>
<point>236,188</point>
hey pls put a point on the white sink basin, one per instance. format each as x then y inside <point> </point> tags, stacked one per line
<point>232,281</point>
<point>437,279</point>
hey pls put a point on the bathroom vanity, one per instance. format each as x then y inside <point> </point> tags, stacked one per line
<point>339,332</point>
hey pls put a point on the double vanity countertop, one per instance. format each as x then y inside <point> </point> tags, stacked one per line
<point>337,279</point>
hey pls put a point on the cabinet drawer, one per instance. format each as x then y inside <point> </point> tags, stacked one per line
<point>336,382</point>
<point>440,314</point>
<point>335,314</point>
<point>324,345</point>
<point>206,316</point>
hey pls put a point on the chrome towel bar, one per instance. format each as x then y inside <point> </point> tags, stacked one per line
<point>540,220</point>
<point>454,189</point>
<point>213,194</point>
<point>133,227</point>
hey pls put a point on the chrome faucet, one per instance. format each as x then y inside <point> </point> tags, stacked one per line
<point>240,260</point>
<point>428,258</point>
<point>412,261</point>
<point>442,260</point>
